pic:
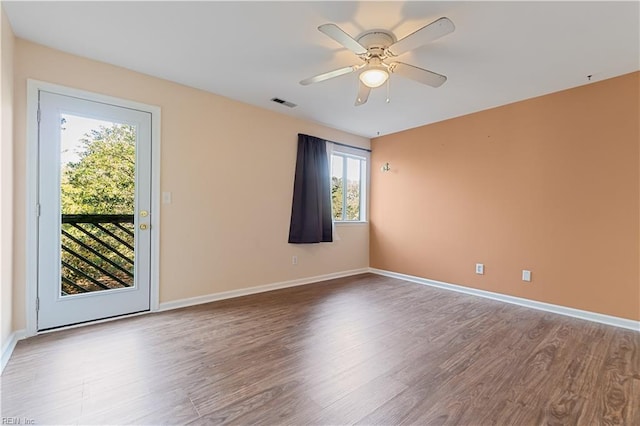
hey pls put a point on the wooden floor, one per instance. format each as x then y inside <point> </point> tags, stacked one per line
<point>365,350</point>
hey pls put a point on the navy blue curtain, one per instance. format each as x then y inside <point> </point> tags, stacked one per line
<point>311,220</point>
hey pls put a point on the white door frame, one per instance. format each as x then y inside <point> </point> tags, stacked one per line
<point>31,259</point>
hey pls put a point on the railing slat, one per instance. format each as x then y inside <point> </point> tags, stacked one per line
<point>93,265</point>
<point>74,285</point>
<point>112,235</point>
<point>97,218</point>
<point>90,278</point>
<point>91,258</point>
<point>128,231</point>
<point>89,234</point>
<point>96,252</point>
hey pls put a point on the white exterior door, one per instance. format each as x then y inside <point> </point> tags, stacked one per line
<point>94,196</point>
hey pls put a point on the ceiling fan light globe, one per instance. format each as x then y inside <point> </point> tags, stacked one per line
<point>374,77</point>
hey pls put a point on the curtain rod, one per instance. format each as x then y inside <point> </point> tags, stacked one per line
<point>350,146</point>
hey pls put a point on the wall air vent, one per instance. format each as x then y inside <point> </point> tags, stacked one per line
<point>283,102</point>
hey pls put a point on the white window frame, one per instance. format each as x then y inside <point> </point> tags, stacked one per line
<point>365,158</point>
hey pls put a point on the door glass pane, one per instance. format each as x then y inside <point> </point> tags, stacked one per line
<point>353,189</point>
<point>97,193</point>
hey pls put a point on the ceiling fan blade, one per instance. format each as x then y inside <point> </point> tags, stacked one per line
<point>363,94</point>
<point>420,75</point>
<point>328,75</point>
<point>336,33</point>
<point>424,35</point>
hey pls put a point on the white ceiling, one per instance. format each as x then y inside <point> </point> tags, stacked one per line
<point>501,52</point>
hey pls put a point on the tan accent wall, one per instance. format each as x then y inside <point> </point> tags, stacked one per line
<point>230,168</point>
<point>6,178</point>
<point>550,184</point>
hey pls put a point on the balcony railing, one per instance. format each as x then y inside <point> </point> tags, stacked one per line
<point>97,252</point>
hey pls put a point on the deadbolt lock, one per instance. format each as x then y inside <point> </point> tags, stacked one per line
<point>144,213</point>
<point>144,226</point>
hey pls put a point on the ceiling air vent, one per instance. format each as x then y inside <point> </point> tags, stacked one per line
<point>283,102</point>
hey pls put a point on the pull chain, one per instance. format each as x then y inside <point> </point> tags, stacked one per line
<point>388,84</point>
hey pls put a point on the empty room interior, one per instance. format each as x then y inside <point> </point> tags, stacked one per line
<point>330,213</point>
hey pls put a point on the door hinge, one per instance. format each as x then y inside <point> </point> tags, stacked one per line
<point>39,113</point>
<point>37,210</point>
<point>37,303</point>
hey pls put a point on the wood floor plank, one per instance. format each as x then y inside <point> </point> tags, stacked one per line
<point>617,380</point>
<point>568,397</point>
<point>366,349</point>
<point>475,383</point>
<point>358,403</point>
<point>395,410</point>
<point>282,410</point>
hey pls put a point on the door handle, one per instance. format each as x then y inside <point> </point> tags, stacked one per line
<point>144,226</point>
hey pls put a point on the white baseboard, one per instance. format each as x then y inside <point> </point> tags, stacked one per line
<point>542,306</point>
<point>182,303</point>
<point>8,348</point>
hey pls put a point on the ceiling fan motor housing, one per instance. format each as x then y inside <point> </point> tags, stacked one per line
<point>376,40</point>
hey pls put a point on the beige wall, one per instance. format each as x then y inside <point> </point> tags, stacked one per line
<point>230,169</point>
<point>6,177</point>
<point>550,184</point>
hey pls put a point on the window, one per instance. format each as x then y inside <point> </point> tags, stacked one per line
<point>348,187</point>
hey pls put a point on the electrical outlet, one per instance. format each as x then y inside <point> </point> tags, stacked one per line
<point>526,275</point>
<point>294,260</point>
<point>479,269</point>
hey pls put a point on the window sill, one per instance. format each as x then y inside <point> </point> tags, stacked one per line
<point>351,222</point>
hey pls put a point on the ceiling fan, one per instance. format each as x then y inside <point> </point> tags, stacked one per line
<point>375,47</point>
